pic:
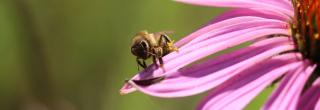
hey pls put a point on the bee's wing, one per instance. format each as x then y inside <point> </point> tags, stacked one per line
<point>163,33</point>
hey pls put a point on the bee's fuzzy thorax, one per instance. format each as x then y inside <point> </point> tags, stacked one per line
<point>306,27</point>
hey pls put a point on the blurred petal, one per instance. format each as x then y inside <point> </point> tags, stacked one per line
<point>286,96</point>
<point>199,78</point>
<point>317,105</point>
<point>238,91</point>
<point>310,98</point>
<point>273,5</point>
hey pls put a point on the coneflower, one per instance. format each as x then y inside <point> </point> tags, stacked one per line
<point>282,43</point>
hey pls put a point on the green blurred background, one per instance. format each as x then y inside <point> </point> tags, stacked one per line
<point>75,54</point>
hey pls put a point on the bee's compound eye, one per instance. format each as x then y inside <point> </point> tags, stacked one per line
<point>144,44</point>
<point>133,50</point>
<point>140,50</point>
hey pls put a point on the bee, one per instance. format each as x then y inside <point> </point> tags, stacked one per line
<point>156,45</point>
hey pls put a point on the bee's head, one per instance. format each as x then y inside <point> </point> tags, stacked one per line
<point>141,49</point>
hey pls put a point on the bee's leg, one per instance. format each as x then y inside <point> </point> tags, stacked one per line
<point>161,62</point>
<point>168,42</point>
<point>142,64</point>
<point>165,38</point>
<point>158,55</point>
<point>138,66</point>
<point>154,59</point>
<point>139,63</point>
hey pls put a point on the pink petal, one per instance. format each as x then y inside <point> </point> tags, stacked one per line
<point>238,91</point>
<point>310,97</point>
<point>242,12</point>
<point>223,27</point>
<point>282,3</point>
<point>229,30</point>
<point>272,5</point>
<point>210,46</point>
<point>234,16</point>
<point>286,96</point>
<point>317,105</point>
<point>205,78</point>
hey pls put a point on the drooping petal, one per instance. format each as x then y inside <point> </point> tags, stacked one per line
<point>286,96</point>
<point>239,90</point>
<point>310,98</point>
<point>272,5</point>
<point>179,59</point>
<point>199,78</point>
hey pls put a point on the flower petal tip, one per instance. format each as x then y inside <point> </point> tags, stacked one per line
<point>126,89</point>
<point>122,92</point>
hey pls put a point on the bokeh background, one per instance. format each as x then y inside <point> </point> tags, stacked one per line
<point>75,54</point>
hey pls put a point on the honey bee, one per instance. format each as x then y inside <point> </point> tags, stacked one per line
<point>155,45</point>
